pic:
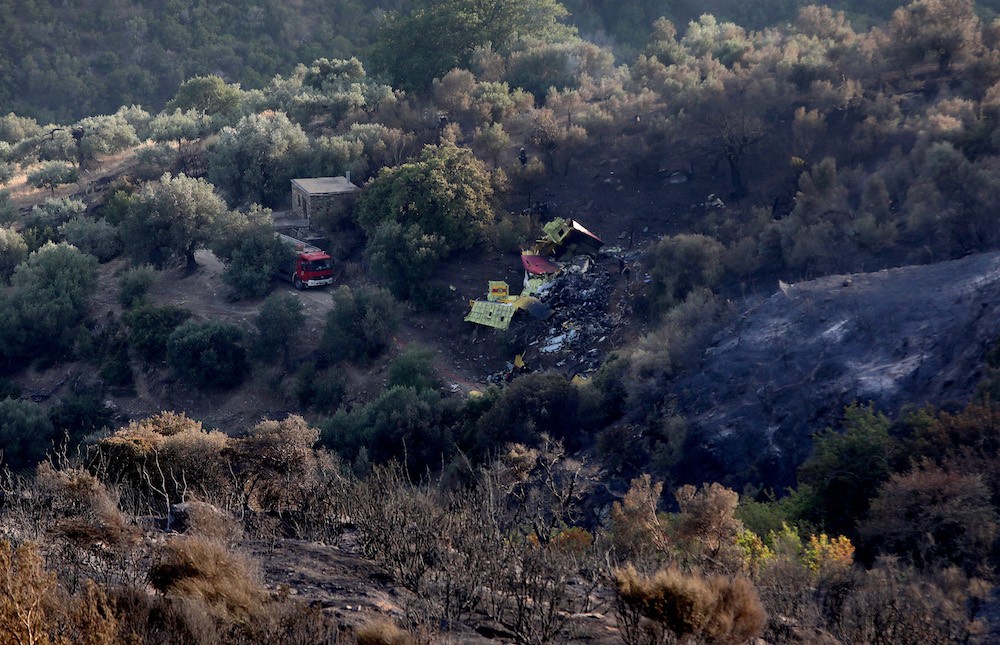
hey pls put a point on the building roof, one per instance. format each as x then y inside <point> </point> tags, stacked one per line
<point>325,185</point>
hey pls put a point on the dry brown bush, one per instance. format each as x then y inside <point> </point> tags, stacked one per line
<point>715,609</point>
<point>203,569</point>
<point>382,633</point>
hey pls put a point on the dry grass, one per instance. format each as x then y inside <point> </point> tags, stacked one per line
<point>201,568</point>
<point>717,609</point>
<point>382,633</point>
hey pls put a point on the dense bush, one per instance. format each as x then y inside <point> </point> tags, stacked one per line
<point>25,433</point>
<point>96,237</point>
<point>150,327</point>
<point>13,251</point>
<point>360,325</point>
<point>279,325</point>
<point>683,263</point>
<point>51,290</point>
<point>134,284</point>
<point>414,367</point>
<point>207,354</point>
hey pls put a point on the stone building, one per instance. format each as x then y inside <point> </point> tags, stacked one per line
<point>324,199</point>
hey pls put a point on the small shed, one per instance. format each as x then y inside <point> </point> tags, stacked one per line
<point>324,198</point>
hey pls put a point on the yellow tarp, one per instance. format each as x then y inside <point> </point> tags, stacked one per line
<point>491,314</point>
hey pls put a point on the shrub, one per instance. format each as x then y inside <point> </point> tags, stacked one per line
<point>382,633</point>
<point>683,263</point>
<point>54,213</point>
<point>206,570</point>
<point>278,322</point>
<point>207,354</point>
<point>360,325</point>
<point>95,237</point>
<point>253,265</point>
<point>8,211</point>
<point>82,412</point>
<point>134,284</point>
<point>414,367</point>
<point>53,174</point>
<point>715,609</point>
<point>13,251</point>
<point>25,433</point>
<point>149,328</point>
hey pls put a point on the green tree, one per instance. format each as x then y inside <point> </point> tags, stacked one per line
<point>207,354</point>
<point>149,329</point>
<point>682,264</point>
<point>25,433</point>
<point>178,126</point>
<point>171,218</point>
<point>447,194</point>
<point>360,325</point>
<point>847,467</point>
<point>8,211</point>
<point>493,140</point>
<point>246,242</point>
<point>53,174</point>
<point>102,135</point>
<point>207,94</point>
<point>51,290</point>
<point>440,35</point>
<point>134,284</point>
<point>96,237</point>
<point>414,367</point>
<point>13,251</point>
<point>279,322</point>
<point>254,161</point>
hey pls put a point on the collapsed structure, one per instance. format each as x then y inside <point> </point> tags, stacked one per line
<point>563,239</point>
<point>568,297</point>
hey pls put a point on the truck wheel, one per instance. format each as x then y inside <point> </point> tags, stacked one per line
<point>297,281</point>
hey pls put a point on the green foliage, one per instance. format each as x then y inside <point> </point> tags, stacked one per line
<point>80,413</point>
<point>51,290</point>
<point>134,284</point>
<point>55,212</point>
<point>440,35</point>
<point>170,218</point>
<point>13,251</point>
<point>206,94</point>
<point>403,256</point>
<point>847,467</point>
<point>96,237</point>
<point>280,322</point>
<point>25,433</point>
<point>178,126</point>
<point>414,368</point>
<point>150,327</point>
<point>207,354</point>
<point>254,161</point>
<point>682,264</point>
<point>9,389</point>
<point>53,174</point>
<point>360,325</point>
<point>152,162</point>
<point>253,254</point>
<point>103,135</point>
<point>542,402</point>
<point>418,213</point>
<point>402,423</point>
<point>8,211</point>
<point>322,391</point>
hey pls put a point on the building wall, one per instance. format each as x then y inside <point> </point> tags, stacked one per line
<point>330,211</point>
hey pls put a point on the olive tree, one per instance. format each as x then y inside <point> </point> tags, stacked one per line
<point>171,218</point>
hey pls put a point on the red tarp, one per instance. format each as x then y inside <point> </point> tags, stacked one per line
<point>537,265</point>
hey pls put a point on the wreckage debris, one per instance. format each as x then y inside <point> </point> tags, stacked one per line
<point>568,298</point>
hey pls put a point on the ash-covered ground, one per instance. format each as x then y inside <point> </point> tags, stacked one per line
<point>789,364</point>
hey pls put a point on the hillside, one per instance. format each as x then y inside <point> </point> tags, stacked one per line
<point>791,362</point>
<point>632,328</point>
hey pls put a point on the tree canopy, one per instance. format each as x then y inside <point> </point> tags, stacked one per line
<point>170,218</point>
<point>439,35</point>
